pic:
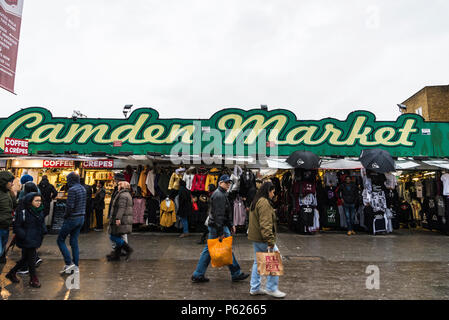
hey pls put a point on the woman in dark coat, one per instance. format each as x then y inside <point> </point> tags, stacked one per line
<point>121,221</point>
<point>185,207</point>
<point>48,192</point>
<point>99,205</point>
<point>29,227</point>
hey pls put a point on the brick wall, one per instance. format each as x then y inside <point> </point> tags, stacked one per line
<point>434,101</point>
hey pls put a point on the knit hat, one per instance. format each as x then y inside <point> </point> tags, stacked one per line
<point>26,178</point>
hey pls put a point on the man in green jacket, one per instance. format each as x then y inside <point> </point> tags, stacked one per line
<point>6,210</point>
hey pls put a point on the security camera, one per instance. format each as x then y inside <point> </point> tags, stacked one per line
<point>402,106</point>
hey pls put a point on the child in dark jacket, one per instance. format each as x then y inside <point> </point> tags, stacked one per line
<point>29,227</point>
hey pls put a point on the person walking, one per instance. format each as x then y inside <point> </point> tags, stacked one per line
<point>73,222</point>
<point>6,210</point>
<point>29,228</point>
<point>48,192</point>
<point>220,221</point>
<point>99,204</point>
<point>185,207</point>
<point>262,231</point>
<point>349,194</point>
<point>121,221</point>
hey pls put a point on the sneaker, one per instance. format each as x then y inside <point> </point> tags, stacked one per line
<point>34,282</point>
<point>12,277</point>
<point>183,235</point>
<point>199,279</point>
<point>23,271</point>
<point>98,230</point>
<point>240,277</point>
<point>276,294</point>
<point>349,233</point>
<point>68,269</point>
<point>258,292</point>
<point>38,262</point>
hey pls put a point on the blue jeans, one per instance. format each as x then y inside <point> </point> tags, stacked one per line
<point>204,261</point>
<point>272,281</point>
<point>118,240</point>
<point>73,227</point>
<point>185,225</point>
<point>349,213</point>
<point>4,236</point>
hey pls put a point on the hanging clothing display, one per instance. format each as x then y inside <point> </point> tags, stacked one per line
<point>239,212</point>
<point>138,210</point>
<point>235,178</point>
<point>150,182</point>
<point>330,179</point>
<point>188,178</point>
<point>416,207</point>
<point>212,177</point>
<point>419,189</point>
<point>445,180</point>
<point>175,178</point>
<point>167,213</point>
<point>391,181</point>
<point>142,182</point>
<point>163,180</point>
<point>134,182</point>
<point>199,182</point>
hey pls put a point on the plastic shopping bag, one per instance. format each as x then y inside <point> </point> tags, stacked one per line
<point>220,252</point>
<point>269,264</point>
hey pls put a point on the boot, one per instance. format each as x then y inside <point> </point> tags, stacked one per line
<point>128,250</point>
<point>115,255</point>
<point>34,282</point>
<point>11,275</point>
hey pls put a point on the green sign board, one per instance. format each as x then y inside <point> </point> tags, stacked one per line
<point>229,131</point>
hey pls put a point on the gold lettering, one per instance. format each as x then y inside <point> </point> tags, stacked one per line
<point>133,131</point>
<point>176,130</point>
<point>385,140</point>
<point>405,133</point>
<point>88,131</point>
<point>152,138</point>
<point>356,135</point>
<point>259,126</point>
<point>51,137</point>
<point>306,138</point>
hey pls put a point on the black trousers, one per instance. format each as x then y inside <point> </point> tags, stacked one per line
<point>28,259</point>
<point>99,217</point>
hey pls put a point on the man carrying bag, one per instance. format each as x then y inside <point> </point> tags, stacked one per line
<point>262,231</point>
<point>220,221</point>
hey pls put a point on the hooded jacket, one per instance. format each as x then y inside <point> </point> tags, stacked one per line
<point>76,197</point>
<point>6,202</point>
<point>122,209</point>
<point>29,225</point>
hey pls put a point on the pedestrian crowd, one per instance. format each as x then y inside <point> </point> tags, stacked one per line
<point>26,213</point>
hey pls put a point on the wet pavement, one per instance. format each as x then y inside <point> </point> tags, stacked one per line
<point>329,265</point>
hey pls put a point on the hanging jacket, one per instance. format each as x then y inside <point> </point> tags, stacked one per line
<point>185,203</point>
<point>188,178</point>
<point>199,182</point>
<point>142,183</point>
<point>212,177</point>
<point>149,182</point>
<point>167,213</point>
<point>235,177</point>
<point>174,181</point>
<point>239,212</point>
<point>247,183</point>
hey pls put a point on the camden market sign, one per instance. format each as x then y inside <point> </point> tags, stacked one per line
<point>229,131</point>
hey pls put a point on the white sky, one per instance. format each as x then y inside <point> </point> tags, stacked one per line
<point>191,58</point>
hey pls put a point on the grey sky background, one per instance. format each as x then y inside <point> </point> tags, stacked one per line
<point>191,58</point>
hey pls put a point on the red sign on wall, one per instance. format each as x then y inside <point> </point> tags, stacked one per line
<point>58,164</point>
<point>10,21</point>
<point>117,143</point>
<point>98,164</point>
<point>16,146</point>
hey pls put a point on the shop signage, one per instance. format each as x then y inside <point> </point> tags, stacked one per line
<point>118,144</point>
<point>58,164</point>
<point>16,146</point>
<point>229,132</point>
<point>99,164</point>
<point>10,21</point>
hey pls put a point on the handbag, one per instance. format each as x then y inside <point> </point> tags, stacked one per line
<point>269,264</point>
<point>220,252</point>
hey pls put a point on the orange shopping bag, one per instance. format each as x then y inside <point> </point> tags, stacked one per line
<point>220,252</point>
